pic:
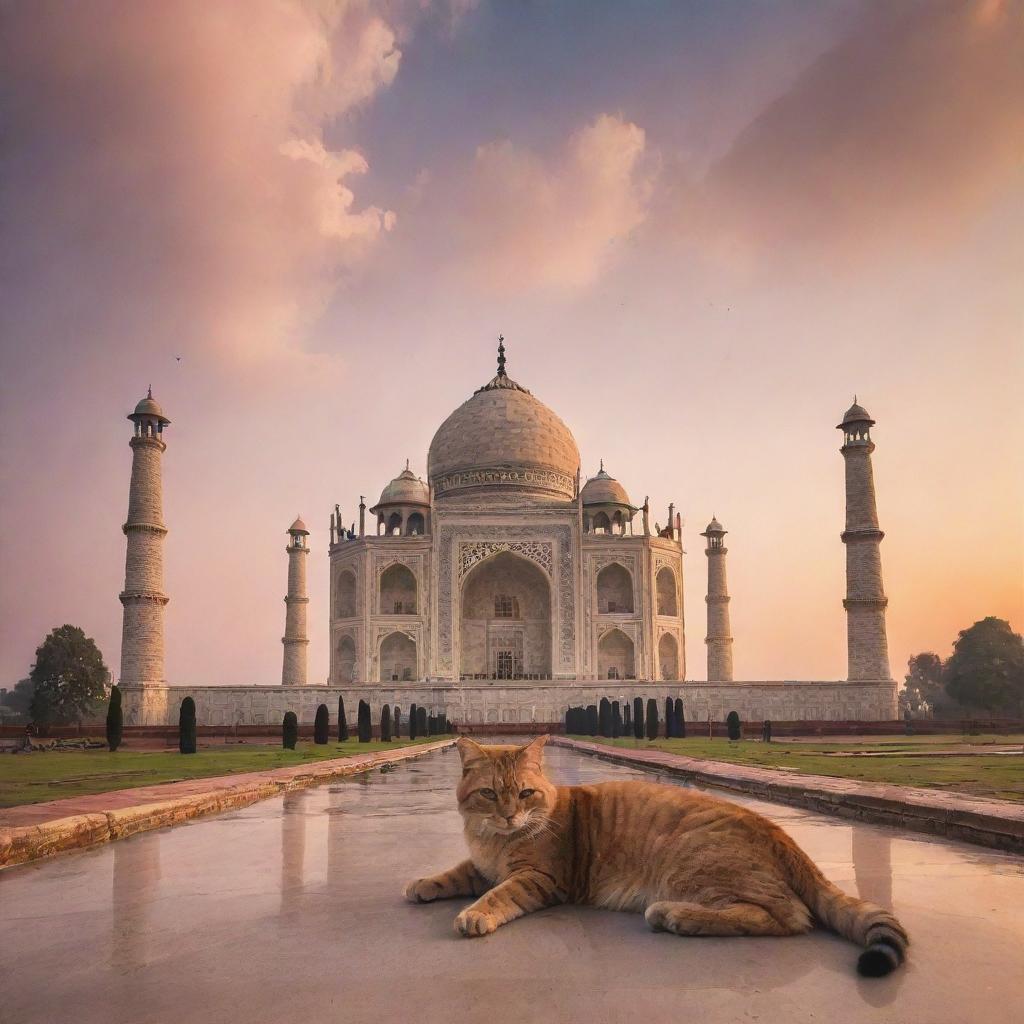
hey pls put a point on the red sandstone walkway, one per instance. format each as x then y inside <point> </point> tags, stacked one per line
<point>38,830</point>
<point>983,820</point>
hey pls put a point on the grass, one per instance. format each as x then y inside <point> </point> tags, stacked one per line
<point>991,775</point>
<point>52,775</point>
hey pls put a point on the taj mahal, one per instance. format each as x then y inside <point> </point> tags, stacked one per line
<point>504,588</point>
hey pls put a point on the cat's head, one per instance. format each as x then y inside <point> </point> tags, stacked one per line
<point>503,789</point>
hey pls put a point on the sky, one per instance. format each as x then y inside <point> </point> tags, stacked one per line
<point>701,227</point>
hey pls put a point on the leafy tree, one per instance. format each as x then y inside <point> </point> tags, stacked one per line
<point>321,725</point>
<point>187,726</point>
<point>604,717</point>
<point>924,689</point>
<point>986,669</point>
<point>732,723</point>
<point>115,719</point>
<point>680,717</point>
<point>414,721</point>
<point>68,678</point>
<point>385,723</point>
<point>342,721</point>
<point>652,719</point>
<point>18,701</point>
<point>364,724</point>
<point>289,730</point>
<point>638,718</point>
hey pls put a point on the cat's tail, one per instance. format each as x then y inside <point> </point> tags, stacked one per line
<point>884,939</point>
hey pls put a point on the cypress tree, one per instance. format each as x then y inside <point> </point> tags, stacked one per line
<point>321,725</point>
<point>652,719</point>
<point>616,720</point>
<point>604,718</point>
<point>732,723</point>
<point>421,725</point>
<point>680,719</point>
<point>342,721</point>
<point>187,726</point>
<point>593,722</point>
<point>115,719</point>
<point>414,721</point>
<point>289,731</point>
<point>627,719</point>
<point>364,725</point>
<point>670,719</point>
<point>638,717</point>
<point>385,723</point>
<point>396,723</point>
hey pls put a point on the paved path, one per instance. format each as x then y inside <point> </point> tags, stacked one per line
<point>55,826</point>
<point>289,909</point>
<point>988,822</point>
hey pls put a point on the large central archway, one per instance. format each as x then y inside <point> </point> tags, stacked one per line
<point>505,620</point>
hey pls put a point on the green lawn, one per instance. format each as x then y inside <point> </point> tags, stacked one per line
<point>51,775</point>
<point>995,775</point>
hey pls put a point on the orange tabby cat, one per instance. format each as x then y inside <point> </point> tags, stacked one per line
<point>694,864</point>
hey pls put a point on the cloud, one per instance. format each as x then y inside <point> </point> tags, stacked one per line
<point>902,133</point>
<point>535,222</point>
<point>166,172</point>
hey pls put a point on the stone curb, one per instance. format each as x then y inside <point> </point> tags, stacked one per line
<point>23,843</point>
<point>986,822</point>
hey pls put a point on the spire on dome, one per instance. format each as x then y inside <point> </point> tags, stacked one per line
<point>501,356</point>
<point>501,379</point>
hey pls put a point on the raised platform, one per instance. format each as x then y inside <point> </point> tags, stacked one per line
<point>505,702</point>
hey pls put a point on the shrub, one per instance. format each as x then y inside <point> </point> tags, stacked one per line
<point>364,725</point>
<point>385,723</point>
<point>604,718</point>
<point>342,721</point>
<point>680,719</point>
<point>115,719</point>
<point>289,731</point>
<point>616,720</point>
<point>652,719</point>
<point>592,720</point>
<point>638,718</point>
<point>187,726</point>
<point>414,721</point>
<point>321,725</point>
<point>396,723</point>
<point>732,723</point>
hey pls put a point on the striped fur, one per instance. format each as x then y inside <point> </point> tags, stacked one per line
<point>693,864</point>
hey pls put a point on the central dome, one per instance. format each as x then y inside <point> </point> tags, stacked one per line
<point>503,440</point>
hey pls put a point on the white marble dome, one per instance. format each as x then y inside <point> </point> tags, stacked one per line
<point>503,440</point>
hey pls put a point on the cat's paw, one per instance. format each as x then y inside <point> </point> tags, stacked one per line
<point>422,890</point>
<point>475,922</point>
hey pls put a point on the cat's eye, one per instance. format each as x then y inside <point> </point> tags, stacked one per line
<point>526,793</point>
<point>489,793</point>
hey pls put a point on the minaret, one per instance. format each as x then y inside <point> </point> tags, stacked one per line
<point>295,640</point>
<point>719,638</point>
<point>143,598</point>
<point>867,648</point>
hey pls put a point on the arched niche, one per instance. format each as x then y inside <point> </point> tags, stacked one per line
<point>614,589</point>
<point>505,624</point>
<point>397,660</point>
<point>397,590</point>
<point>345,595</point>
<point>668,656</point>
<point>615,657</point>
<point>666,586</point>
<point>345,660</point>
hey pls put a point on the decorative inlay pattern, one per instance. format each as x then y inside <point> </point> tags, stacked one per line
<point>476,551</point>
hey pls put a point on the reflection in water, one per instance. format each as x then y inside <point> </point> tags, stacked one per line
<point>136,876</point>
<point>872,865</point>
<point>293,848</point>
<point>335,839</point>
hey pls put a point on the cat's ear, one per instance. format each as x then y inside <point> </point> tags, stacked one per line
<point>469,750</point>
<point>533,753</point>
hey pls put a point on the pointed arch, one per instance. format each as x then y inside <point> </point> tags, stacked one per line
<point>614,589</point>
<point>668,602</point>
<point>615,656</point>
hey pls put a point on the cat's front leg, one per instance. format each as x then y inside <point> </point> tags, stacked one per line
<point>521,893</point>
<point>461,880</point>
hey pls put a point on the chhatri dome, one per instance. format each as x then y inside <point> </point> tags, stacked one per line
<point>503,437</point>
<point>406,489</point>
<point>604,490</point>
